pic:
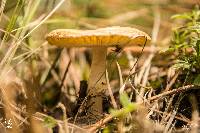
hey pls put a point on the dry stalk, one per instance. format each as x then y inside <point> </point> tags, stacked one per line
<point>173,91</point>
<point>72,127</point>
<point>114,104</point>
<point>11,52</point>
<point>51,70</point>
<point>60,105</point>
<point>124,17</point>
<point>195,115</point>
<point>138,49</point>
<point>147,63</point>
<point>73,78</point>
<point>108,118</point>
<point>3,3</point>
<point>172,81</point>
<point>121,82</point>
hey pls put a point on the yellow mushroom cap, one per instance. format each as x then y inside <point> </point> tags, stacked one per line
<point>107,37</point>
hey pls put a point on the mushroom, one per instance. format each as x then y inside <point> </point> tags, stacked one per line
<point>98,40</point>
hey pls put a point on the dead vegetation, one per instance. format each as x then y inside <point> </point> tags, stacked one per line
<point>43,88</point>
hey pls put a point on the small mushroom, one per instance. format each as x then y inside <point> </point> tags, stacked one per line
<point>98,40</point>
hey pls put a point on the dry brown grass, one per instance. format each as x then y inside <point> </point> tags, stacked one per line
<point>40,84</point>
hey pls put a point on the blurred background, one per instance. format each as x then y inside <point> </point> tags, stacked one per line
<point>39,82</point>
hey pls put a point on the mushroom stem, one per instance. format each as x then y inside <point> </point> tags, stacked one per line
<point>97,80</point>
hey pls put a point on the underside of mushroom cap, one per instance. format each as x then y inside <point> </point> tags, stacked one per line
<point>107,37</point>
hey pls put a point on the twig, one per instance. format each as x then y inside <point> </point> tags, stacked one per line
<point>137,59</point>
<point>177,117</point>
<point>100,123</point>
<point>108,118</point>
<point>174,91</point>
